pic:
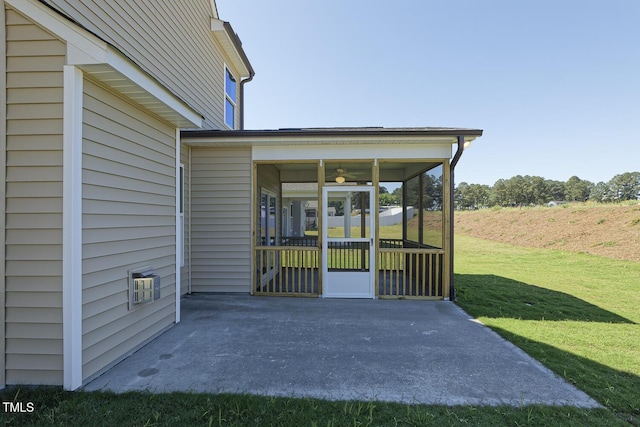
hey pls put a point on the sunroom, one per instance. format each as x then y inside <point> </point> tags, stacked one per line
<point>316,226</point>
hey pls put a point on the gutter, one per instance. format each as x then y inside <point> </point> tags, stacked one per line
<point>334,132</point>
<point>452,165</point>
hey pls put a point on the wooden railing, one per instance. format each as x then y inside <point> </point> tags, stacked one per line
<point>286,270</point>
<point>348,256</point>
<point>300,241</point>
<point>404,271</point>
<point>407,272</point>
<point>391,243</point>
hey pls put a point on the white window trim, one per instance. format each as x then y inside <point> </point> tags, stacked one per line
<point>226,97</point>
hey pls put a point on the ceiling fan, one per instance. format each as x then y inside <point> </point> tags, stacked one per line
<point>341,175</point>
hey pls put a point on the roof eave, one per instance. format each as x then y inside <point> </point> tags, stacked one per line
<point>327,136</point>
<point>232,46</point>
<point>329,132</point>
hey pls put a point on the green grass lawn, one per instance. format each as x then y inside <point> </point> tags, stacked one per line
<point>57,408</point>
<point>577,314</point>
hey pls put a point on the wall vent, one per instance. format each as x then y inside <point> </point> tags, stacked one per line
<point>144,286</point>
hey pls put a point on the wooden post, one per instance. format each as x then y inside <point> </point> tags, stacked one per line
<point>363,230</point>
<point>375,181</point>
<point>447,206</point>
<point>319,216</point>
<point>255,201</point>
<point>404,211</point>
<point>420,209</point>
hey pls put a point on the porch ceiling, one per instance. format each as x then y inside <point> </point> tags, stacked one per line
<point>359,171</point>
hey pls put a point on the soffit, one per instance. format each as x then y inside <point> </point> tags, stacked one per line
<point>150,95</point>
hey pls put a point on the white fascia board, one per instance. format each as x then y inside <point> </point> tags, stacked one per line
<point>355,151</point>
<point>217,25</point>
<point>85,49</point>
<point>277,140</point>
<point>214,9</point>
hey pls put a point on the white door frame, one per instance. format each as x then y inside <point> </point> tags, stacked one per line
<point>348,284</point>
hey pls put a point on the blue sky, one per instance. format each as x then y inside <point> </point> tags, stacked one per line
<point>555,85</point>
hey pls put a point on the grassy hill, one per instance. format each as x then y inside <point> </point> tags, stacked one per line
<point>562,284</point>
<point>609,230</point>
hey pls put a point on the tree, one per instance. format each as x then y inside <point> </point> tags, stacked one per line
<point>499,194</point>
<point>412,191</point>
<point>339,205</point>
<point>472,196</point>
<point>397,193</point>
<point>460,196</point>
<point>625,186</point>
<point>577,190</point>
<point>556,190</point>
<point>601,193</point>
<point>539,193</point>
<point>479,195</point>
<point>387,199</point>
<point>529,190</point>
<point>431,192</point>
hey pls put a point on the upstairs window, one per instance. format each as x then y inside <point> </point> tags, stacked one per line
<point>230,99</point>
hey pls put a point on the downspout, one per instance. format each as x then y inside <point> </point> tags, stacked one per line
<point>242,83</point>
<point>452,165</point>
<point>237,44</point>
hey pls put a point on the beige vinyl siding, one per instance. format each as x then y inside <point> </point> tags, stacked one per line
<point>33,241</point>
<point>185,271</point>
<point>170,39</point>
<point>269,181</point>
<point>3,172</point>
<point>221,219</point>
<point>128,214</point>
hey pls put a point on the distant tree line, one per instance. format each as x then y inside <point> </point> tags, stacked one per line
<point>432,193</point>
<point>535,190</point>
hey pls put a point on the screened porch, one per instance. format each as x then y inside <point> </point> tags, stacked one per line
<point>308,237</point>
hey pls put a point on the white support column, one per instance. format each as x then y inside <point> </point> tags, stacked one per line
<point>72,229</point>
<point>179,241</point>
<point>347,215</point>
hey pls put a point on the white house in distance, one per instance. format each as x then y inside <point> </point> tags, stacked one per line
<point>130,181</point>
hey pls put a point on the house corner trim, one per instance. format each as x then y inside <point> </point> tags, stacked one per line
<point>179,238</point>
<point>72,228</point>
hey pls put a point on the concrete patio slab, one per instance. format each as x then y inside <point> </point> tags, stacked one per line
<point>403,351</point>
